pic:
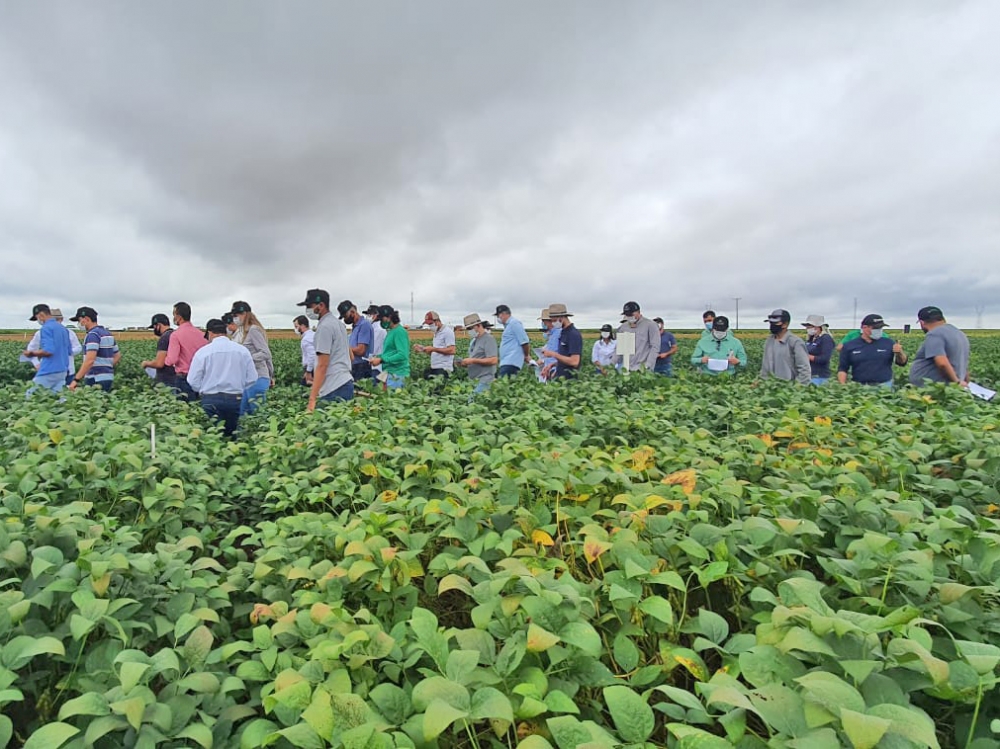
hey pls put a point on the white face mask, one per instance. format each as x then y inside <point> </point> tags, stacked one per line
<point>812,331</point>
<point>312,315</point>
<point>605,334</point>
<point>719,334</point>
<point>876,333</point>
<point>557,324</point>
<point>472,333</point>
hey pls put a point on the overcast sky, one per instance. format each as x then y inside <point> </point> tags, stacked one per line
<point>794,154</point>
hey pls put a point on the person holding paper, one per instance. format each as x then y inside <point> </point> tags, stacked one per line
<point>163,373</point>
<point>52,351</point>
<point>481,362</point>
<point>721,352</point>
<point>944,355</point>
<point>552,334</point>
<point>569,355</point>
<point>647,337</point>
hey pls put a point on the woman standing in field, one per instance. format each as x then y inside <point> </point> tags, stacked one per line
<point>820,345</point>
<point>250,332</point>
<point>605,352</point>
<point>395,358</point>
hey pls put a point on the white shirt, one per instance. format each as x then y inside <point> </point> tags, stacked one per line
<point>221,367</point>
<point>75,349</point>
<point>443,338</point>
<point>378,341</point>
<point>604,352</point>
<point>308,345</point>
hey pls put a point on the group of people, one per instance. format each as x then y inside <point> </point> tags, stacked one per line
<point>229,367</point>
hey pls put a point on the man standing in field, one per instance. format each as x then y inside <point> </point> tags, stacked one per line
<point>551,332</point>
<point>332,380</point>
<point>514,345</point>
<point>307,346</point>
<point>869,359</point>
<point>785,355</point>
<point>570,351</point>
<point>184,342</point>
<point>52,351</point>
<point>165,374</point>
<point>668,347</point>
<point>647,338</point>
<point>221,371</point>
<point>362,340</point>
<point>707,318</point>
<point>483,356</point>
<point>944,355</point>
<point>442,349</point>
<point>378,337</point>
<point>102,354</point>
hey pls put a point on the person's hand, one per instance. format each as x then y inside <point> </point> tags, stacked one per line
<point>272,384</point>
<point>312,406</point>
<point>462,362</point>
<point>72,385</point>
<point>145,364</point>
<point>375,361</point>
<point>897,348</point>
<point>812,357</point>
<point>733,360</point>
<point>704,360</point>
<point>546,353</point>
<point>419,348</point>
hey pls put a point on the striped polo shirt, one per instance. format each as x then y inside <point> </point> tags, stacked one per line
<point>99,339</point>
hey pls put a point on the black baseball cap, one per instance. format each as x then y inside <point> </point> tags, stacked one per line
<point>159,319</point>
<point>215,325</point>
<point>779,315</point>
<point>88,312</point>
<point>501,308</point>
<point>39,308</point>
<point>630,308</point>
<point>926,314</point>
<point>240,307</point>
<point>372,309</point>
<point>227,318</point>
<point>658,319</point>
<point>720,323</point>
<point>385,310</point>
<point>873,321</point>
<point>315,296</point>
<point>606,328</point>
<point>344,307</point>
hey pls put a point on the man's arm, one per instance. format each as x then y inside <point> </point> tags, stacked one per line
<point>944,366</point>
<point>319,374</point>
<point>803,372</point>
<point>196,374</point>
<point>173,350</point>
<point>158,363</point>
<point>88,361</point>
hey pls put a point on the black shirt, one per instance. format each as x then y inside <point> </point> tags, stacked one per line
<point>570,344</point>
<point>868,363</point>
<point>164,374</point>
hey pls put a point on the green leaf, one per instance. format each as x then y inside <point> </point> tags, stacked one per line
<point>302,736</point>
<point>632,715</point>
<point>695,738</point>
<point>198,646</point>
<point>91,703</point>
<point>461,665</point>
<point>6,731</point>
<point>201,682</point>
<point>130,675</point>
<point>319,714</point>
<point>582,635</point>
<point>909,722</point>
<point>534,741</point>
<point>438,716</point>
<point>255,732</point>
<point>540,639</point>
<point>199,733</point>
<point>830,691</point>
<point>439,688</point>
<point>510,655</point>
<point>559,702</point>
<point>658,608</point>
<point>713,626</point>
<point>488,702</point>
<point>51,736</point>
<point>20,650</point>
<point>132,709</point>
<point>392,702</point>
<point>568,732</point>
<point>626,654</point>
<point>864,731</point>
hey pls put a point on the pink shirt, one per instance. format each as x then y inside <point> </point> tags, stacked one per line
<point>183,343</point>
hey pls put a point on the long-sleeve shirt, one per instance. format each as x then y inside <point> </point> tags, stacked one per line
<point>256,343</point>
<point>786,359</point>
<point>221,367</point>
<point>308,346</point>
<point>396,352</point>
<point>184,342</point>
<point>714,349</point>
<point>647,343</point>
<point>820,347</point>
<point>54,340</point>
<point>75,349</point>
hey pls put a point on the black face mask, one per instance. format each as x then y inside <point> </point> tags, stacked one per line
<point>776,328</point>
<point>157,332</point>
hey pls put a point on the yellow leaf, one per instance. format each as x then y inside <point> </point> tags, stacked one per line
<point>788,525</point>
<point>542,538</point>
<point>685,479</point>
<point>592,549</point>
<point>642,458</point>
<point>783,434</point>
<point>260,610</point>
<point>825,451</point>
<point>100,585</point>
<point>852,465</point>
<point>767,439</point>
<point>369,470</point>
<point>389,495</point>
<point>319,611</point>
<point>388,553</point>
<point>540,639</point>
<point>56,436</point>
<point>823,421</point>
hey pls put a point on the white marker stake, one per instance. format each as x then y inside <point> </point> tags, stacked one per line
<point>625,348</point>
<point>152,441</point>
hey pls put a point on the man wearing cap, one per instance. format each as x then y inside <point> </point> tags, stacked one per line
<point>75,347</point>
<point>570,352</point>
<point>332,380</point>
<point>184,342</point>
<point>102,354</point>
<point>707,318</point>
<point>944,354</point>
<point>378,337</point>
<point>547,366</point>
<point>820,346</point>
<point>442,349</point>
<point>52,351</point>
<point>785,355</point>
<point>307,347</point>
<point>869,359</point>
<point>220,372</point>
<point>165,373</point>
<point>722,352</point>
<point>361,342</point>
<point>647,337</point>
<point>668,347</point>
<point>481,362</point>
<point>514,344</point>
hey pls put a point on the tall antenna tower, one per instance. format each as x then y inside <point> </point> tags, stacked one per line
<point>980,309</point>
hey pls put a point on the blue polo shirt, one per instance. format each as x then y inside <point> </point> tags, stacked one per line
<point>362,332</point>
<point>570,344</point>
<point>868,363</point>
<point>54,339</point>
<point>511,341</point>
<point>99,339</point>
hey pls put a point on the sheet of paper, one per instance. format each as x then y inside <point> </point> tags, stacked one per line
<point>718,365</point>
<point>538,353</point>
<point>980,392</point>
<point>22,359</point>
<point>151,372</point>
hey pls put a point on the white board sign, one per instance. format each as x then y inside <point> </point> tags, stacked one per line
<point>625,348</point>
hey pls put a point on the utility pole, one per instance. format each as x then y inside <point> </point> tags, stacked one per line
<point>980,309</point>
<point>737,300</point>
<point>412,318</point>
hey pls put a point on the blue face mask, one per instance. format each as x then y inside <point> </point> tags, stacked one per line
<point>708,326</point>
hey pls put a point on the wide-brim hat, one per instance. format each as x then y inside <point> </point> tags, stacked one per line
<point>544,315</point>
<point>559,310</point>
<point>815,321</point>
<point>471,321</point>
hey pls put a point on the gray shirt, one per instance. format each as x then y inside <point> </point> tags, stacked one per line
<point>331,340</point>
<point>483,347</point>
<point>256,343</point>
<point>647,343</point>
<point>786,359</point>
<point>944,340</point>
<point>443,338</point>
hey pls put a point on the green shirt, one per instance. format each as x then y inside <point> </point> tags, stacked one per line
<point>396,352</point>
<point>714,349</point>
<point>850,337</point>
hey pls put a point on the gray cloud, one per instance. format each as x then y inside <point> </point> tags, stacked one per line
<point>795,155</point>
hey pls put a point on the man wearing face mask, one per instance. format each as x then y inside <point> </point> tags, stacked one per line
<point>332,380</point>
<point>160,325</point>
<point>361,341</point>
<point>551,332</point>
<point>944,355</point>
<point>668,347</point>
<point>721,352</point>
<point>378,337</point>
<point>442,349</point>
<point>307,345</point>
<point>647,338</point>
<point>707,318</point>
<point>869,359</point>
<point>570,352</point>
<point>785,355</point>
<point>483,357</point>
<point>181,348</point>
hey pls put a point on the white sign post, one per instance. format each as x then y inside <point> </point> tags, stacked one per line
<point>625,348</point>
